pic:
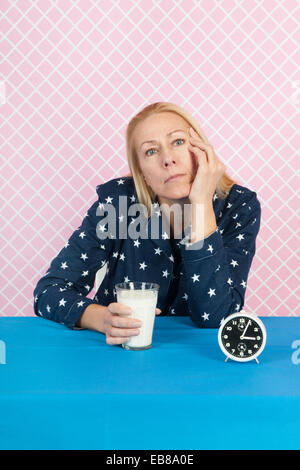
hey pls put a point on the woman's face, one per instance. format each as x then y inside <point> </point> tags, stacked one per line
<point>166,155</point>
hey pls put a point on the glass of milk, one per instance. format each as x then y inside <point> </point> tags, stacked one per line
<point>141,297</point>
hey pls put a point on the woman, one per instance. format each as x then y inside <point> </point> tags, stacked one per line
<point>203,274</point>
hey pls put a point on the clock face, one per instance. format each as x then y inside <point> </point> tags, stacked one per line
<point>242,337</point>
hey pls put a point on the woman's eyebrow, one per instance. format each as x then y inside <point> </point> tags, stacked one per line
<point>152,141</point>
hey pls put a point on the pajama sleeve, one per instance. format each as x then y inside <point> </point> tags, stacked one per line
<point>60,295</point>
<point>216,272</point>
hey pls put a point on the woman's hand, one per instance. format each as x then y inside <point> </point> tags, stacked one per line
<point>209,171</point>
<point>119,329</point>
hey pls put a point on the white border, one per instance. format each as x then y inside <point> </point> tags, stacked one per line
<point>251,316</point>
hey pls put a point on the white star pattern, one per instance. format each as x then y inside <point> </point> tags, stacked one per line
<point>223,260</point>
<point>102,228</point>
<point>211,292</point>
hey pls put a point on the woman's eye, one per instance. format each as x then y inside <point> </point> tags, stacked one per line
<point>178,139</point>
<point>148,151</point>
<point>155,149</point>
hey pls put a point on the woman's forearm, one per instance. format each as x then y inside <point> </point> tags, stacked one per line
<point>203,221</point>
<point>92,318</point>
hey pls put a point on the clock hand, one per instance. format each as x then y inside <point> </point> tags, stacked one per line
<point>247,337</point>
<point>243,335</point>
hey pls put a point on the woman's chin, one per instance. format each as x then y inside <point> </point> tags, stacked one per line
<point>178,194</point>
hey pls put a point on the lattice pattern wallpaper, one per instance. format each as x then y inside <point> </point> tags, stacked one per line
<point>74,72</point>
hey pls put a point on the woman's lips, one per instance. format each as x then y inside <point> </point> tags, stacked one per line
<point>174,178</point>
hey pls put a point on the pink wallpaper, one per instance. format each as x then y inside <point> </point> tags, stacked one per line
<point>74,72</point>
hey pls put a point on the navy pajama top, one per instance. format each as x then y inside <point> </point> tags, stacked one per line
<point>206,279</point>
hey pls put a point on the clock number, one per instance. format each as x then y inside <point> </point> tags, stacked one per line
<point>229,328</point>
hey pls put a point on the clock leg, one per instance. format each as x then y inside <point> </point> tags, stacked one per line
<point>226,359</point>
<point>256,360</point>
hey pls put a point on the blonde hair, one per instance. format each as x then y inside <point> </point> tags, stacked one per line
<point>145,194</point>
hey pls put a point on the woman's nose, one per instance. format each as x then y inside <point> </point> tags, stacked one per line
<point>167,160</point>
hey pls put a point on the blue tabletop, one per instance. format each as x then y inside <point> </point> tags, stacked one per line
<point>68,389</point>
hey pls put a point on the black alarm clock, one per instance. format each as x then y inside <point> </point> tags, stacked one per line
<point>242,337</point>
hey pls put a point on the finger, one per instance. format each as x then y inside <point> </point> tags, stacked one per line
<point>116,340</point>
<point>122,322</point>
<point>122,332</point>
<point>121,309</point>
<point>198,140</point>
<point>198,143</point>
<point>209,150</point>
<point>157,311</point>
<point>201,156</point>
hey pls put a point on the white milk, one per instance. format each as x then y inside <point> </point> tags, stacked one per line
<point>143,304</point>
